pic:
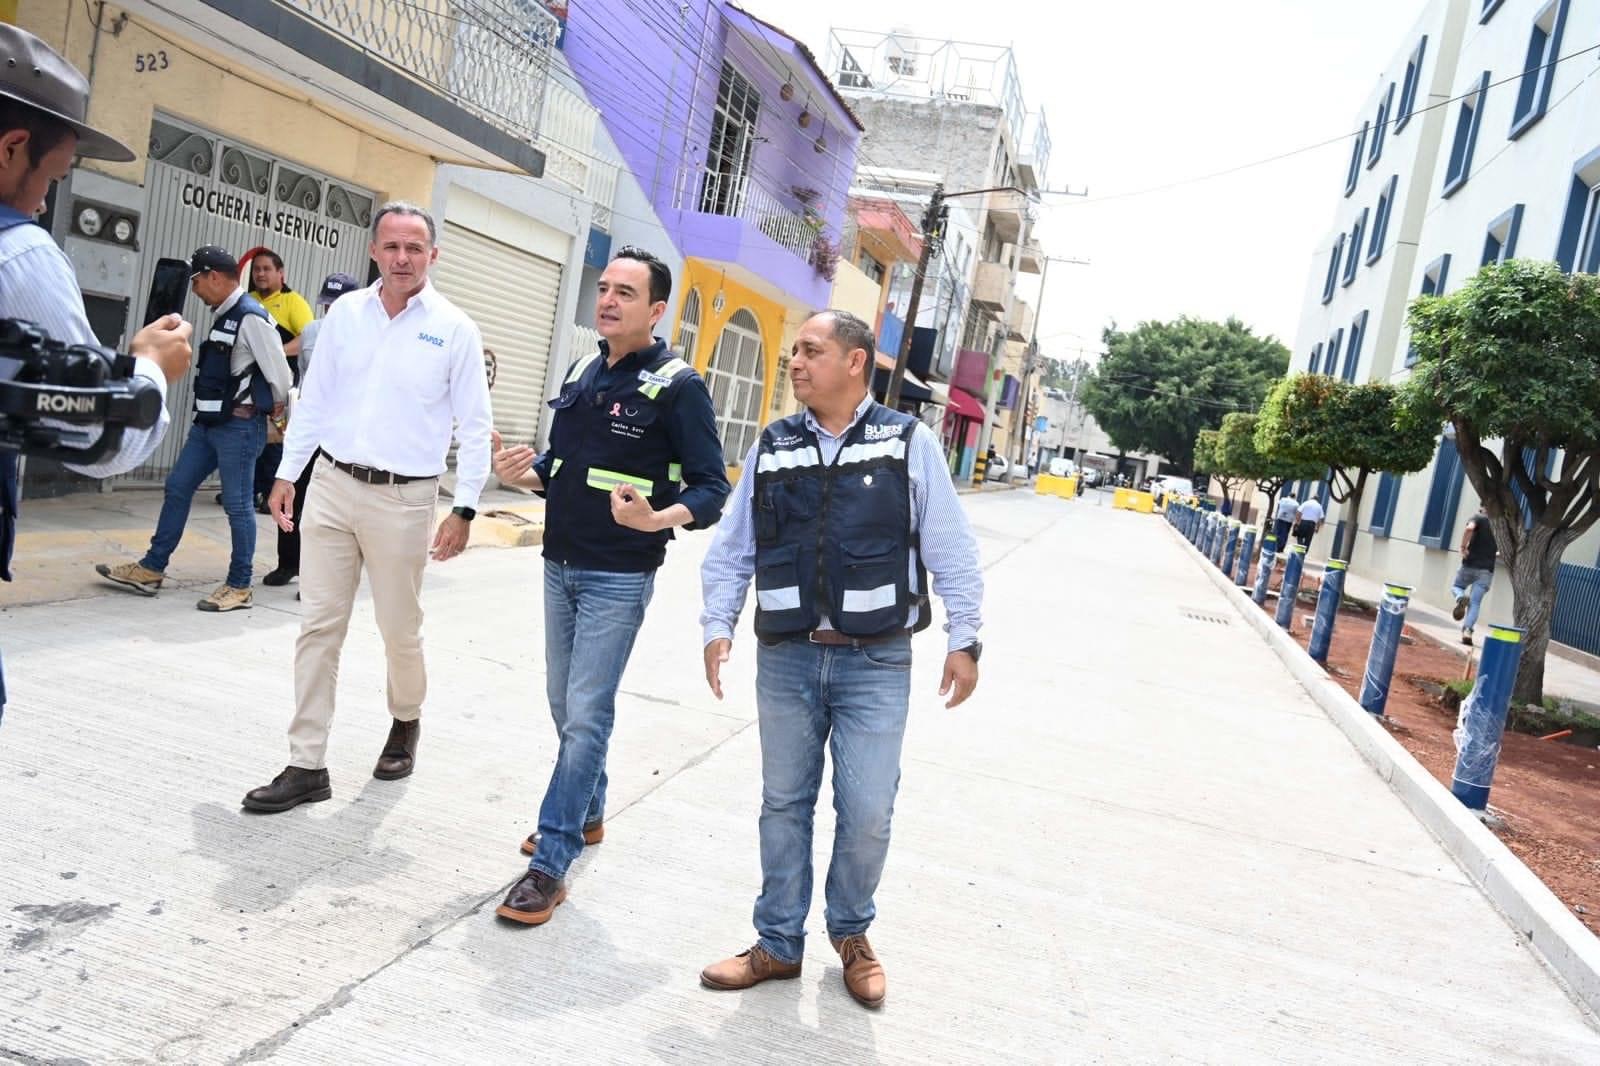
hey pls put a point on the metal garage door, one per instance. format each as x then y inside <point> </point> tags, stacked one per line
<point>204,188</point>
<point>511,295</point>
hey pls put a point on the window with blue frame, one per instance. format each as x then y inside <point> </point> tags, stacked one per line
<point>1538,70</point>
<point>1352,352</point>
<point>1489,8</point>
<point>1578,251</point>
<point>1380,126</point>
<point>1501,242</point>
<point>1332,281</point>
<point>1444,496</point>
<point>1353,261</point>
<point>1383,505</point>
<point>1468,118</point>
<point>1356,153</point>
<point>1331,357</point>
<point>1380,221</point>
<point>1434,277</point>
<point>1410,85</point>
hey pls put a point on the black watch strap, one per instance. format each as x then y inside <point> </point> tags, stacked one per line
<point>464,512</point>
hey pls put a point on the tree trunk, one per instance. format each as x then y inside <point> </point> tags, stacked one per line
<point>1353,522</point>
<point>1533,581</point>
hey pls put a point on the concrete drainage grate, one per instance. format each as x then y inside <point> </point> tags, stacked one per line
<point>1194,614</point>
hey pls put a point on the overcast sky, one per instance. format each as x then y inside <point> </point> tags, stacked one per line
<point>1147,92</point>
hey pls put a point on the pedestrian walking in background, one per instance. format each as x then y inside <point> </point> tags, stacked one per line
<point>841,513</point>
<point>240,379</point>
<point>398,368</point>
<point>634,453</point>
<point>1476,574</point>
<point>288,568</point>
<point>1308,520</point>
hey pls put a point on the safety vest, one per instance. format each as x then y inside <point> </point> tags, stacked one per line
<point>600,439</point>
<point>834,540</point>
<point>217,390</point>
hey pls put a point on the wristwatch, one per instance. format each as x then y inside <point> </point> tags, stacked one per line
<point>466,513</point>
<point>975,649</point>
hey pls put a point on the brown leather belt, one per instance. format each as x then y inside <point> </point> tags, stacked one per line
<point>835,638</point>
<point>373,476</point>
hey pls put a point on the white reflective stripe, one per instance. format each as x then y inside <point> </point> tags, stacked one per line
<point>779,599</point>
<point>857,601</point>
<point>208,405</point>
<point>788,460</point>
<point>860,453</point>
<point>221,336</point>
<point>580,366</point>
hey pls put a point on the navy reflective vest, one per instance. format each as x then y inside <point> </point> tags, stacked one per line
<point>217,389</point>
<point>603,438</point>
<point>834,540</point>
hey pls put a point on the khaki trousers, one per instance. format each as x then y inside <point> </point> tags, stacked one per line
<point>347,525</point>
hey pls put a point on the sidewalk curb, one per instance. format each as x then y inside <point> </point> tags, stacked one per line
<point>1541,919</point>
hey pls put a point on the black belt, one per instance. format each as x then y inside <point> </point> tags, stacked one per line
<point>373,476</point>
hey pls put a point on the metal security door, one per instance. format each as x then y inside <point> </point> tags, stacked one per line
<point>204,188</point>
<point>512,296</point>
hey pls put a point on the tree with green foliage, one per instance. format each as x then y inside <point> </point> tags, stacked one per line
<point>1159,385</point>
<point>1512,361</point>
<point>1348,431</point>
<point>1208,459</point>
<point>1270,472</point>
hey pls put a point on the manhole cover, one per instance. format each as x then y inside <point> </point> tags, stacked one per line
<point>1195,614</point>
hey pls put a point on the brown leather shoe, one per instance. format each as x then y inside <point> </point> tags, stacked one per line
<point>289,789</point>
<point>399,751</point>
<point>533,899</point>
<point>863,974</point>
<point>592,834</point>
<point>746,969</point>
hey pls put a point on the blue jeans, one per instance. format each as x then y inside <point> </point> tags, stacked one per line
<point>1474,584</point>
<point>854,701</point>
<point>231,450</point>
<point>591,618</point>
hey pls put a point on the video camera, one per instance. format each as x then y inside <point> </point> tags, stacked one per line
<point>69,402</point>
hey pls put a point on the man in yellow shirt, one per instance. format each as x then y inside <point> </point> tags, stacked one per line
<point>291,314</point>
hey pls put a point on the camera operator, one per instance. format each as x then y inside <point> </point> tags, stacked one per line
<point>43,103</point>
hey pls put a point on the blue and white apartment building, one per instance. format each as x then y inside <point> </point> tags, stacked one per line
<point>1480,142</point>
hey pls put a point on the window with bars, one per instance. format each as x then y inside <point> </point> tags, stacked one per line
<point>736,378</point>
<point>733,135</point>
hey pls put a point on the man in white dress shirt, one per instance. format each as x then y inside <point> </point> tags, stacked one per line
<point>397,364</point>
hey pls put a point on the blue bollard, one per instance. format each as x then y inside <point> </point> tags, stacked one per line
<point>1269,556</point>
<point>1385,646</point>
<point>1482,721</point>
<point>1289,591</point>
<point>1245,552</point>
<point>1327,609</point>
<point>1230,547</point>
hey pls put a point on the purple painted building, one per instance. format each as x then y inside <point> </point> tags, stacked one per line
<point>746,152</point>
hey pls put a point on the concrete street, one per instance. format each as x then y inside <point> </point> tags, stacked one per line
<point>1139,842</point>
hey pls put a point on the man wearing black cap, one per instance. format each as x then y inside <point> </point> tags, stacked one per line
<point>240,377</point>
<point>333,287</point>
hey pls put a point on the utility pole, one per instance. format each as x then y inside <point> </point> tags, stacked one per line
<point>933,220</point>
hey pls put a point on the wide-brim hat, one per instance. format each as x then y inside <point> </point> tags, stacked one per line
<point>33,73</point>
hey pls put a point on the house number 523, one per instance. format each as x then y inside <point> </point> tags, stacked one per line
<point>146,62</point>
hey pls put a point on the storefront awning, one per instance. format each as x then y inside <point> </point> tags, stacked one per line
<point>964,406</point>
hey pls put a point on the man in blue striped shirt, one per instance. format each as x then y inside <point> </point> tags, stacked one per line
<point>840,514</point>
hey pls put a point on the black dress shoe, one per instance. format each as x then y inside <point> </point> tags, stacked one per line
<point>399,752</point>
<point>533,899</point>
<point>280,576</point>
<point>289,789</point>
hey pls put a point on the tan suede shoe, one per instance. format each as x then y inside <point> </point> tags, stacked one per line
<point>863,974</point>
<point>746,969</point>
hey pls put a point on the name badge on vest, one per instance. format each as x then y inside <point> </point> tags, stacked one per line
<point>659,380</point>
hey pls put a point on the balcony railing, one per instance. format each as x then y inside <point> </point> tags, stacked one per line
<point>490,56</point>
<point>713,192</point>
